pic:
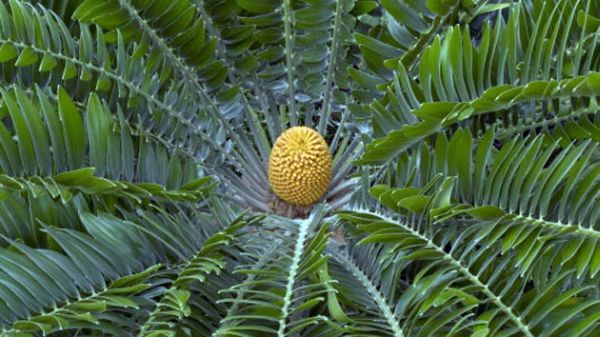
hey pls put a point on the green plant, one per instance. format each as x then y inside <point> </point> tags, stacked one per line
<point>135,138</point>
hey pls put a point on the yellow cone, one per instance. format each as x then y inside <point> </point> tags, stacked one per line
<point>300,166</point>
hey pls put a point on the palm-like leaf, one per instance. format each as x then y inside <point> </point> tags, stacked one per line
<point>464,278</point>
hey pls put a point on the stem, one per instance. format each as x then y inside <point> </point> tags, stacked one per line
<point>289,47</point>
<point>332,67</point>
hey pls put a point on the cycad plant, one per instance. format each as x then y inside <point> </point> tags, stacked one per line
<point>300,168</point>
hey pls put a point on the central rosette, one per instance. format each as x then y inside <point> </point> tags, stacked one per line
<point>300,166</point>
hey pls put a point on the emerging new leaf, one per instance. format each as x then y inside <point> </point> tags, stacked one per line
<point>300,166</point>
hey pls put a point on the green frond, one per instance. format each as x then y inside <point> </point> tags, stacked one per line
<point>65,184</point>
<point>173,28</point>
<point>63,58</point>
<point>275,300</point>
<point>405,30</point>
<point>527,195</point>
<point>40,124</point>
<point>66,284</point>
<point>83,263</point>
<point>437,116</point>
<point>504,302</point>
<point>277,39</point>
<point>86,311</point>
<point>63,8</point>
<point>373,294</point>
<point>454,83</point>
<point>174,305</point>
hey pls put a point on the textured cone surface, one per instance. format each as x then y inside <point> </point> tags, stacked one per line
<point>300,166</point>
